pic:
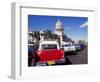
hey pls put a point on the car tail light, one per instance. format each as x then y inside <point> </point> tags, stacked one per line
<point>39,52</point>
<point>63,56</point>
<point>62,52</point>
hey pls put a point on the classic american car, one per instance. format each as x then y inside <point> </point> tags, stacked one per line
<point>68,47</point>
<point>49,53</point>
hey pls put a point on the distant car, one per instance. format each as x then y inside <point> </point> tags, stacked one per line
<point>49,53</point>
<point>82,46</point>
<point>68,47</point>
<point>77,47</point>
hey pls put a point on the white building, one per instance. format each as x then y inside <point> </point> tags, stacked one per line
<point>59,29</point>
<point>31,39</point>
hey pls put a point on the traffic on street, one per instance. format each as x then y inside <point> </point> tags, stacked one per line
<point>50,53</point>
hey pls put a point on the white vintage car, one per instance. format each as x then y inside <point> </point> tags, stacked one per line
<point>68,47</point>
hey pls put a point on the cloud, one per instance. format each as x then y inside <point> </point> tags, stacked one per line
<point>85,24</point>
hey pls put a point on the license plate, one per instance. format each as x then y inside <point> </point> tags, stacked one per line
<point>50,62</point>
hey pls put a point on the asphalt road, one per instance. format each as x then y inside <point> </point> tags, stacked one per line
<point>80,57</point>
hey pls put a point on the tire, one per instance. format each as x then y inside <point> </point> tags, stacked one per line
<point>33,62</point>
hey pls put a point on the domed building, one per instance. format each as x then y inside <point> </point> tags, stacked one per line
<point>59,28</point>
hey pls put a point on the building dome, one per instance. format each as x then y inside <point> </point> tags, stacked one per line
<point>59,25</point>
<point>59,28</point>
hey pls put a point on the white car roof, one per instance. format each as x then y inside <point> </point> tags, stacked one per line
<point>49,42</point>
<point>65,42</point>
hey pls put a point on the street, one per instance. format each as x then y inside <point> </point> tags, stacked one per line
<point>80,57</point>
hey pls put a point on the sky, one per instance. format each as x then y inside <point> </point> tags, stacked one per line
<point>74,27</point>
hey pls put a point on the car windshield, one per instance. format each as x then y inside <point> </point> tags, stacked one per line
<point>49,46</point>
<point>67,45</point>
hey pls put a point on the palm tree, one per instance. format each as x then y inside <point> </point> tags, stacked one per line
<point>48,34</point>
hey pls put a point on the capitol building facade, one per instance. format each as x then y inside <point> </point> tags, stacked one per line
<point>59,30</point>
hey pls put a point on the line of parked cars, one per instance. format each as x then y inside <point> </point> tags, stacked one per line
<point>50,53</point>
<point>69,47</point>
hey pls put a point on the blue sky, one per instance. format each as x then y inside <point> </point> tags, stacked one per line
<point>74,27</point>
